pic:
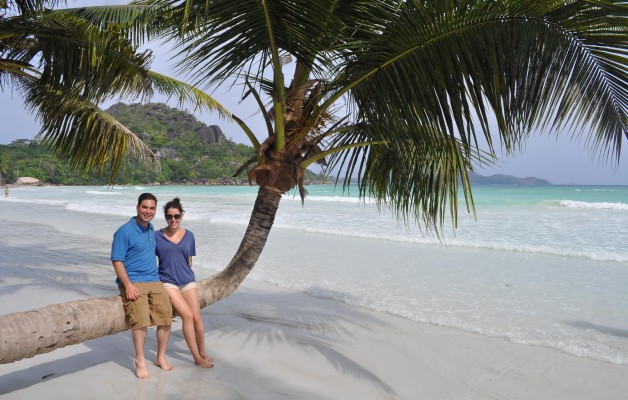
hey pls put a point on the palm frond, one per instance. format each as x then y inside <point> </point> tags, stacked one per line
<point>30,6</point>
<point>75,53</point>
<point>185,93</point>
<point>430,185</point>
<point>10,68</point>
<point>417,177</point>
<point>140,23</point>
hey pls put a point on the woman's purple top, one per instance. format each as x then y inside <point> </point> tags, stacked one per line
<point>174,258</point>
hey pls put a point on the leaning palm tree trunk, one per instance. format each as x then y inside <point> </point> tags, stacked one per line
<point>27,334</point>
<point>224,283</point>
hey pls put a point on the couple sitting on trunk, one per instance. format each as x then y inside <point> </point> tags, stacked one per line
<point>151,289</point>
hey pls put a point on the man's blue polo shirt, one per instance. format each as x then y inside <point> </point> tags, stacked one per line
<point>135,246</point>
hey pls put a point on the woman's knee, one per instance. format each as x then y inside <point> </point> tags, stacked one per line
<point>185,313</point>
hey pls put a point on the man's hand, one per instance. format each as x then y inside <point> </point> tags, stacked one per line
<point>132,293</point>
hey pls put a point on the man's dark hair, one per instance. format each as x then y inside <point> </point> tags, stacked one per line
<point>146,196</point>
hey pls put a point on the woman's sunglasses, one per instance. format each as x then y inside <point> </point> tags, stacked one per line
<point>175,216</point>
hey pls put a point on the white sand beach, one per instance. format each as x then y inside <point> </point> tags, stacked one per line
<point>267,342</point>
<point>276,344</point>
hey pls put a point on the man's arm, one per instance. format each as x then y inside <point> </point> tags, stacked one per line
<point>132,293</point>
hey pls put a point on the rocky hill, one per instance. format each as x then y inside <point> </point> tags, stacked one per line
<point>151,119</point>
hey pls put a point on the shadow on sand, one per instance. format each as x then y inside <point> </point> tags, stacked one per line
<point>259,318</point>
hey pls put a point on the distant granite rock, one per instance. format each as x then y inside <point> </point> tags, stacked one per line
<point>27,181</point>
<point>500,179</point>
<point>210,134</point>
<point>173,134</point>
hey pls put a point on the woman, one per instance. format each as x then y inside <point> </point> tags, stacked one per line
<point>175,249</point>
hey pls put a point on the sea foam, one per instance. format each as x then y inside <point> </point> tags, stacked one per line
<point>594,205</point>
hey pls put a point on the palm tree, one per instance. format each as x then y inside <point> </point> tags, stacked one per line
<point>399,93</point>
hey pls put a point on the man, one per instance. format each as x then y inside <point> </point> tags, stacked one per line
<point>145,299</point>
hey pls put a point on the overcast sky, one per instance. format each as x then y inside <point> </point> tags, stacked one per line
<point>559,160</point>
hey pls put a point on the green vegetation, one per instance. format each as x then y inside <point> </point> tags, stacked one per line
<point>32,158</point>
<point>188,151</point>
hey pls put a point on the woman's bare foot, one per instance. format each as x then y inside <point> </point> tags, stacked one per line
<point>204,363</point>
<point>163,364</point>
<point>141,372</point>
<point>208,358</point>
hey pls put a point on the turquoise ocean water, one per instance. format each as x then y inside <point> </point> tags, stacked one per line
<point>543,266</point>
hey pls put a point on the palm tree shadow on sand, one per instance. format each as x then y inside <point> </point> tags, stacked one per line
<point>258,318</point>
<point>293,319</point>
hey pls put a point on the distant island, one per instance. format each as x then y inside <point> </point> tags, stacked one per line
<point>497,179</point>
<point>500,179</point>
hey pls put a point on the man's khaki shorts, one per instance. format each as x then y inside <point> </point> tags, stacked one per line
<point>150,309</point>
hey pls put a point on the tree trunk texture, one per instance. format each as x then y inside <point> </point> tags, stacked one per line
<point>27,334</point>
<point>224,283</point>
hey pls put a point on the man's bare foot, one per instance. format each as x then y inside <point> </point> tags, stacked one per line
<point>208,358</point>
<point>141,372</point>
<point>163,364</point>
<point>204,363</point>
